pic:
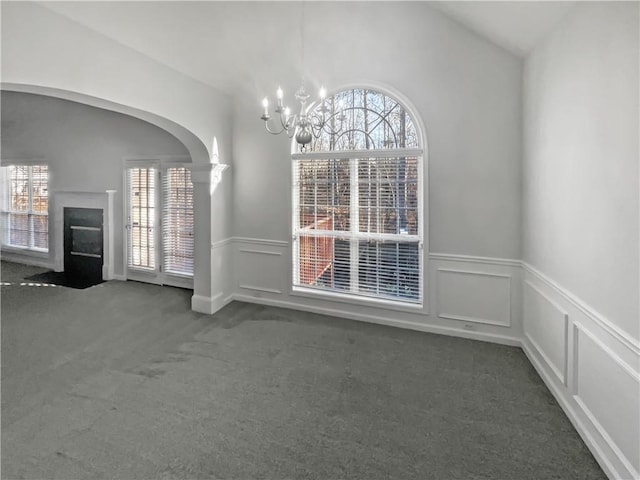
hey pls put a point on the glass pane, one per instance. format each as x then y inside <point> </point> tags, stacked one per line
<point>41,231</point>
<point>362,119</point>
<point>17,229</point>
<point>389,269</point>
<point>178,221</point>
<point>324,194</point>
<point>39,188</point>
<point>19,188</point>
<point>388,195</point>
<point>141,236</point>
<point>325,262</point>
<point>86,241</point>
<point>316,258</point>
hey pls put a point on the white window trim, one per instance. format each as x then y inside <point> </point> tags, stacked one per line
<point>358,300</point>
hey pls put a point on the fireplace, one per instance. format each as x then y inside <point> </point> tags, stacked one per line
<point>84,238</point>
<point>83,243</point>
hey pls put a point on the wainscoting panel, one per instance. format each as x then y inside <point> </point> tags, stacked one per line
<point>608,392</point>
<point>590,366</point>
<point>546,327</point>
<point>261,267</point>
<point>474,296</point>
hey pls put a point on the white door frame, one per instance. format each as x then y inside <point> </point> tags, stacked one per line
<point>157,275</point>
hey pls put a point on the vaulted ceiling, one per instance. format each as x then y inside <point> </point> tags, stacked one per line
<point>517,26</point>
<point>220,43</point>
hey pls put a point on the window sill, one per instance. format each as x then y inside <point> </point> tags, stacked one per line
<point>184,276</point>
<point>361,301</point>
<point>31,252</point>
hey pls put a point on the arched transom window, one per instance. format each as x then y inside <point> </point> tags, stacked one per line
<point>357,201</point>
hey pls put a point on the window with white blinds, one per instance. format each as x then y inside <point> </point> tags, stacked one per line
<point>26,207</point>
<point>141,228</point>
<point>357,213</point>
<point>160,224</point>
<point>177,221</point>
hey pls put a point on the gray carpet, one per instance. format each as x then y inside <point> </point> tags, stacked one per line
<point>121,380</point>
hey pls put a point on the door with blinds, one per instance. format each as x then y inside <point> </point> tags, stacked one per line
<point>159,223</point>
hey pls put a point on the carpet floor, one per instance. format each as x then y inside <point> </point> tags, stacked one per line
<point>122,380</point>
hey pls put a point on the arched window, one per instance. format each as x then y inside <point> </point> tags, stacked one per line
<point>357,201</point>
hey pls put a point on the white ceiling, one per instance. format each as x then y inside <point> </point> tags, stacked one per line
<point>235,37</point>
<point>515,25</point>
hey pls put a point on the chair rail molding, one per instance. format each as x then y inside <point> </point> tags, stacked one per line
<point>623,337</point>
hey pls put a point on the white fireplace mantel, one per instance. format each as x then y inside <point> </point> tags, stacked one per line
<point>75,199</point>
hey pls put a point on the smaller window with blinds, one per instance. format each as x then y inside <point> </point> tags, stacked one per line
<point>26,207</point>
<point>177,221</point>
<point>142,217</point>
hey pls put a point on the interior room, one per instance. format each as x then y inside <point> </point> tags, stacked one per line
<point>217,213</point>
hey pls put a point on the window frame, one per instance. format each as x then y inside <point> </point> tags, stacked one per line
<point>30,212</point>
<point>350,296</point>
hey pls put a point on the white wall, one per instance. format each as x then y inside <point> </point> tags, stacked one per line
<point>581,173</point>
<point>465,89</point>
<point>83,146</point>
<point>580,224</point>
<point>467,93</point>
<point>43,49</point>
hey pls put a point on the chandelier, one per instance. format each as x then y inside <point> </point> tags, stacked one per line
<point>303,125</point>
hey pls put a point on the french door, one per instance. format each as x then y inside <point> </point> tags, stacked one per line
<point>159,223</point>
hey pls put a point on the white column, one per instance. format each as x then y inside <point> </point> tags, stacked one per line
<point>207,295</point>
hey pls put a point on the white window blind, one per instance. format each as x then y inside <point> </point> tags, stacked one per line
<point>26,214</point>
<point>141,228</point>
<point>357,226</point>
<point>177,221</point>
<point>357,211</point>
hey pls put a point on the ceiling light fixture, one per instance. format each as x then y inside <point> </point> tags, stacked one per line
<point>303,125</point>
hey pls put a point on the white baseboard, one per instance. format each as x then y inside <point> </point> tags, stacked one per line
<point>421,327</point>
<point>209,305</point>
